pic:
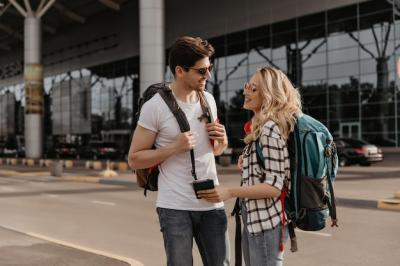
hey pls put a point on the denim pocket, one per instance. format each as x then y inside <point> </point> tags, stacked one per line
<point>217,216</point>
<point>158,210</point>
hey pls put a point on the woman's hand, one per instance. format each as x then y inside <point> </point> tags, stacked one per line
<point>240,162</point>
<point>215,195</point>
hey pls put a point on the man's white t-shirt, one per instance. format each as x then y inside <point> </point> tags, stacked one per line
<point>175,190</point>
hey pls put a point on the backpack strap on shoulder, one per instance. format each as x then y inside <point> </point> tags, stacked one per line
<point>259,154</point>
<point>168,97</point>
<point>205,106</point>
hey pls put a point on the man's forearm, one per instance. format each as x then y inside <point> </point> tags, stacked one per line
<point>148,158</point>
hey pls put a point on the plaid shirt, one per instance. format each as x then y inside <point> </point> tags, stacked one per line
<point>265,214</point>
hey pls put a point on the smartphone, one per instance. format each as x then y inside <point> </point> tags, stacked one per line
<point>202,185</point>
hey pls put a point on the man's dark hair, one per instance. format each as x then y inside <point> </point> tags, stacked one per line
<point>187,50</point>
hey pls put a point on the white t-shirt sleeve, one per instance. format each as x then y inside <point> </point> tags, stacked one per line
<point>149,118</point>
<point>213,105</point>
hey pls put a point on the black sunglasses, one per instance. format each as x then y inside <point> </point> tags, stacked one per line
<point>202,71</point>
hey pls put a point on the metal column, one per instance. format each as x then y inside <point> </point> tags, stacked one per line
<point>33,77</point>
<point>152,58</point>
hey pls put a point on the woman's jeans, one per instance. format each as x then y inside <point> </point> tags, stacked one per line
<point>261,249</point>
<point>208,228</point>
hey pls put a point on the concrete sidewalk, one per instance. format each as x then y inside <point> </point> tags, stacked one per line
<point>17,249</point>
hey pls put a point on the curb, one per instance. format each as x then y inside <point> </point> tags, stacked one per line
<point>357,203</point>
<point>118,182</point>
<point>384,204</point>
<point>121,166</point>
<point>16,173</point>
<point>389,204</point>
<point>86,179</point>
<point>76,178</point>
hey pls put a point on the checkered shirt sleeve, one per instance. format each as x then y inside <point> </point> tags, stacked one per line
<point>265,214</point>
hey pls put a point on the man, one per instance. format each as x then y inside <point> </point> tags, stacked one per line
<point>182,216</point>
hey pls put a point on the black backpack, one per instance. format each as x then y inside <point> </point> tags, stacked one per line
<point>147,178</point>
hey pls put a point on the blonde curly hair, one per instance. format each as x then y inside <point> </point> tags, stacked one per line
<point>281,103</point>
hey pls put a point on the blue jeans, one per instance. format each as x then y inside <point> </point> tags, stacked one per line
<point>262,249</point>
<point>208,228</point>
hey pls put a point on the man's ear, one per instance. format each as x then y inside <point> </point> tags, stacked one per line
<point>179,71</point>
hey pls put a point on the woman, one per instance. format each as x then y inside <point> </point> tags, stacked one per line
<point>276,104</point>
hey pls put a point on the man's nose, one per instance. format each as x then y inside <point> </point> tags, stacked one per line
<point>208,75</point>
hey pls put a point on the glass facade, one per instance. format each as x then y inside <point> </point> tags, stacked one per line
<point>344,61</point>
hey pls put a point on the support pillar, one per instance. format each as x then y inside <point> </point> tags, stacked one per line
<point>152,47</point>
<point>33,77</point>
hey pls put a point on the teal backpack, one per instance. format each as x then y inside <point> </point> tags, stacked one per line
<point>313,166</point>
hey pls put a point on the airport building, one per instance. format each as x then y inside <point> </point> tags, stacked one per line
<point>72,71</point>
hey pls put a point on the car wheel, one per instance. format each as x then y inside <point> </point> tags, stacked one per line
<point>365,164</point>
<point>343,161</point>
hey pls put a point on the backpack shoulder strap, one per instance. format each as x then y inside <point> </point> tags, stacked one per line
<point>259,154</point>
<point>205,106</point>
<point>168,97</point>
<point>170,100</point>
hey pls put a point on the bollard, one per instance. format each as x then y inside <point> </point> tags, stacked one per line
<point>111,165</point>
<point>108,172</point>
<point>123,166</point>
<point>68,164</point>
<point>47,163</point>
<point>88,164</point>
<point>97,165</point>
<point>30,162</point>
<point>56,168</point>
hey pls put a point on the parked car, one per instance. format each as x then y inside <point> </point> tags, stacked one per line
<point>12,152</point>
<point>100,150</point>
<point>354,151</point>
<point>63,150</point>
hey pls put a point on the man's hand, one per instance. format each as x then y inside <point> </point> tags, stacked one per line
<point>184,142</point>
<point>216,131</point>
<point>217,135</point>
<point>215,195</point>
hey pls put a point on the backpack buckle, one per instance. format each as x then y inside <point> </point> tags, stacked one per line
<point>328,151</point>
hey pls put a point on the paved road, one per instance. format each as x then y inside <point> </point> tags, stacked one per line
<point>119,221</point>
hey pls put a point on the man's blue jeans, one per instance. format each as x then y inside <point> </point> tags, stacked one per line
<point>208,228</point>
